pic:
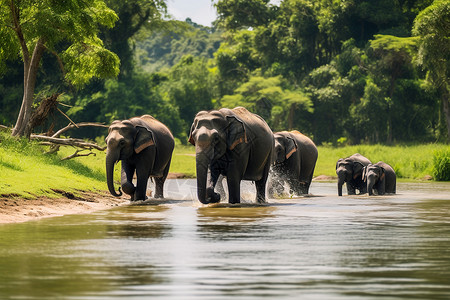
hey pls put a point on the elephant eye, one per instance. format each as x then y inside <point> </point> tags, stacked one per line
<point>122,143</point>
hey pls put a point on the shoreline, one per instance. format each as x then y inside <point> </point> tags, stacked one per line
<point>18,210</point>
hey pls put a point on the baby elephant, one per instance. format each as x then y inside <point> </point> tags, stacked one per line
<point>294,161</point>
<point>380,177</point>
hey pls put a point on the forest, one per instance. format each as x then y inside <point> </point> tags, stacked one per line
<point>343,72</point>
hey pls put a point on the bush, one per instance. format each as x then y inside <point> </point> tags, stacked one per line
<point>441,165</point>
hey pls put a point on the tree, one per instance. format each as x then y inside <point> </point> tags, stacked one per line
<point>237,14</point>
<point>393,61</point>
<point>67,29</point>
<point>432,26</point>
<point>133,15</point>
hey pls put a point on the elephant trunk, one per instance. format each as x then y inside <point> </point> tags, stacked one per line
<point>110,161</point>
<point>370,184</point>
<point>202,174</point>
<point>341,180</point>
<point>203,161</point>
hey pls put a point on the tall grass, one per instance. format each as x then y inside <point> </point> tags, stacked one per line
<point>441,165</point>
<point>413,162</point>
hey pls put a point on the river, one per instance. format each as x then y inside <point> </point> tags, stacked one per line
<point>318,247</point>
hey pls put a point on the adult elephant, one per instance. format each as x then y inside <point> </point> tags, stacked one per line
<point>381,178</point>
<point>295,158</point>
<point>145,146</point>
<point>234,143</point>
<point>349,170</point>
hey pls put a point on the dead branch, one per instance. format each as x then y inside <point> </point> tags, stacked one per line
<point>78,125</point>
<point>68,142</point>
<point>77,154</point>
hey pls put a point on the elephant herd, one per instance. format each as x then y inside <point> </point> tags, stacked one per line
<point>235,144</point>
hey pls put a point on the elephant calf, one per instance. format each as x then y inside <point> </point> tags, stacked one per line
<point>349,170</point>
<point>145,146</point>
<point>294,161</point>
<point>380,177</point>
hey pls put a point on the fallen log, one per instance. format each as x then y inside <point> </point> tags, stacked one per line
<point>68,142</point>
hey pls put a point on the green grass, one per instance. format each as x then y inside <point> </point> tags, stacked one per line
<point>412,162</point>
<point>183,161</point>
<point>27,172</point>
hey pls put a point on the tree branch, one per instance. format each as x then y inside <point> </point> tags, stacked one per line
<point>77,154</point>
<point>78,125</point>
<point>68,142</point>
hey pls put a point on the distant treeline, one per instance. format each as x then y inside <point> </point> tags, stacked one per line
<point>342,72</point>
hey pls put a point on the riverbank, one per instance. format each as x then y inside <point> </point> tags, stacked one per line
<point>15,210</point>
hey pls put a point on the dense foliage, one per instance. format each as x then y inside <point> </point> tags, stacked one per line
<point>342,72</point>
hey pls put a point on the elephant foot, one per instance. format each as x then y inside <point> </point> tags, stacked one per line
<point>212,196</point>
<point>128,188</point>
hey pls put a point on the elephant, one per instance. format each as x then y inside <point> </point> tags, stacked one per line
<point>144,145</point>
<point>380,177</point>
<point>294,161</point>
<point>349,170</point>
<point>234,143</point>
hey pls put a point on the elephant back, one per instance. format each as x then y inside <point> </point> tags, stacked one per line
<point>156,126</point>
<point>250,119</point>
<point>360,158</point>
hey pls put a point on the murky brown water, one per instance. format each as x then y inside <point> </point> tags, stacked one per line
<point>321,247</point>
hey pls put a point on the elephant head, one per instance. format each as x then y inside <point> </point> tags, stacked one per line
<point>347,169</point>
<point>372,174</point>
<point>125,139</point>
<point>284,148</point>
<point>212,133</point>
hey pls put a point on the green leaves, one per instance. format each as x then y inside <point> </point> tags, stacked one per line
<point>88,59</point>
<point>71,23</point>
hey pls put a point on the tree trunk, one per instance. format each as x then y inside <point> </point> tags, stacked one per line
<point>446,107</point>
<point>30,74</point>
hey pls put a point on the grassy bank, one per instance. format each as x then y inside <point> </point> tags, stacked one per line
<point>411,162</point>
<point>26,171</point>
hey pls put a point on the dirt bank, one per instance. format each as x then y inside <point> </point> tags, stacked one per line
<point>13,210</point>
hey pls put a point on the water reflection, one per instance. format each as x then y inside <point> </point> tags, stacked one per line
<point>327,247</point>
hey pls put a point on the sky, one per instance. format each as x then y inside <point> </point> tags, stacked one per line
<point>200,11</point>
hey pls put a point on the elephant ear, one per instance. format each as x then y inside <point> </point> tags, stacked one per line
<point>364,174</point>
<point>291,147</point>
<point>143,139</point>
<point>191,139</point>
<point>236,132</point>
<point>338,162</point>
<point>382,173</point>
<point>357,169</point>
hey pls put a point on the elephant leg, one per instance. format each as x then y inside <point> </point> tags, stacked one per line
<point>261,184</point>
<point>142,175</point>
<point>350,189</point>
<point>126,179</point>
<point>159,187</point>
<point>159,182</point>
<point>381,187</point>
<point>234,189</point>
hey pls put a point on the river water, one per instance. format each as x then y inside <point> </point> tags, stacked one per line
<point>318,247</point>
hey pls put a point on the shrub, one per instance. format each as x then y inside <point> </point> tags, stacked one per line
<point>441,165</point>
